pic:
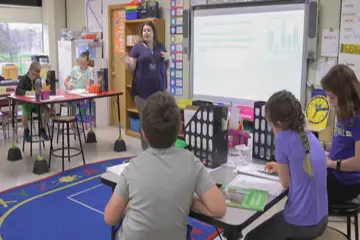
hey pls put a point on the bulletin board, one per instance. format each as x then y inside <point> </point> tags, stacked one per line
<point>349,52</point>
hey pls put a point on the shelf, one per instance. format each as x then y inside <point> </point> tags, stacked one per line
<point>132,133</point>
<point>133,110</point>
<point>140,20</point>
<point>132,28</point>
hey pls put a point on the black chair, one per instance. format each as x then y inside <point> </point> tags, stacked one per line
<point>349,209</point>
<point>65,121</point>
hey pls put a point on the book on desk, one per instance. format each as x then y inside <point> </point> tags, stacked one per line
<point>247,198</point>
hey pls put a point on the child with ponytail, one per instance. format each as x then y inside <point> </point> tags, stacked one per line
<point>301,166</point>
<point>80,77</point>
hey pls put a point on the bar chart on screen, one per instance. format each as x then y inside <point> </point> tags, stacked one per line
<point>283,36</point>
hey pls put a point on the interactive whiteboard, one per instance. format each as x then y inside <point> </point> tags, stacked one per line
<point>245,54</point>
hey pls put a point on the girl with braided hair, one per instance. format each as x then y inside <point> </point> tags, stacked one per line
<point>343,91</point>
<point>301,166</point>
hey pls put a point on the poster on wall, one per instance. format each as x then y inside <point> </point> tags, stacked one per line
<point>176,47</point>
<point>119,31</point>
<point>349,48</point>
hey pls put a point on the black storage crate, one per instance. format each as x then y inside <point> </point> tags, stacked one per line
<point>205,136</point>
<point>263,136</point>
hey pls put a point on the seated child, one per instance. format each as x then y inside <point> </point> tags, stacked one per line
<point>80,77</point>
<point>26,86</point>
<point>301,166</point>
<point>156,190</point>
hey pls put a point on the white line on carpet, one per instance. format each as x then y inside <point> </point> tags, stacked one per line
<point>85,205</point>
<point>86,190</point>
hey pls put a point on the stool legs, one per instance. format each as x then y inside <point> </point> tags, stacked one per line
<point>51,142</point>
<point>348,227</point>
<point>63,147</point>
<point>356,223</point>
<point>64,130</point>
<point>68,139</point>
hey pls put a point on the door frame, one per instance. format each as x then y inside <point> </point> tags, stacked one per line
<point>111,67</point>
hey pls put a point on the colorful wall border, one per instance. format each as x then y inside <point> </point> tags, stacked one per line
<point>176,48</point>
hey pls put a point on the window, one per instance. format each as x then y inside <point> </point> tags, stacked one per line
<point>18,42</point>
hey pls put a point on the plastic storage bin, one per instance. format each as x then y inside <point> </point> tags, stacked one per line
<point>135,124</point>
<point>132,15</point>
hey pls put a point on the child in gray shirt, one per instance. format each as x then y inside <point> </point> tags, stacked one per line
<point>156,190</point>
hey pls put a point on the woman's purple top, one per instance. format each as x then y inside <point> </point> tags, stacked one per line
<point>150,74</point>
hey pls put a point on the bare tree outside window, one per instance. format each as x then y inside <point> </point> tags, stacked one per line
<point>18,42</point>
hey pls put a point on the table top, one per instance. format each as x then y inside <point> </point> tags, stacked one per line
<point>235,217</point>
<point>64,96</point>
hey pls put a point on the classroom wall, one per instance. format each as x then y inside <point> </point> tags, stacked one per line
<point>329,16</point>
<point>75,14</point>
<point>51,15</point>
<point>20,14</point>
<point>54,19</point>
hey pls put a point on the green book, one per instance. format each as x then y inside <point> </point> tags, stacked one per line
<point>247,198</point>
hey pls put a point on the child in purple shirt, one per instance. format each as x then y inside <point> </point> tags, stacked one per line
<point>343,91</point>
<point>301,166</point>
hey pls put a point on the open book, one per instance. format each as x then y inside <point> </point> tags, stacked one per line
<point>248,198</point>
<point>256,170</point>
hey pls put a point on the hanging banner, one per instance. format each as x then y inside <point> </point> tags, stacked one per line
<point>119,31</point>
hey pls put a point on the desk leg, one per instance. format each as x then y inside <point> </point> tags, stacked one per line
<point>14,153</point>
<point>40,165</point>
<point>91,137</point>
<point>119,145</point>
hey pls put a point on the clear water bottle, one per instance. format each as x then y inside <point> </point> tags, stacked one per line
<point>38,89</point>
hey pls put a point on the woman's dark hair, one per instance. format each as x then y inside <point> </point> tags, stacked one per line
<point>342,82</point>
<point>85,55</point>
<point>153,28</point>
<point>284,111</point>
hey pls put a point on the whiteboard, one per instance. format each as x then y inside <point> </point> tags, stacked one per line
<point>243,54</point>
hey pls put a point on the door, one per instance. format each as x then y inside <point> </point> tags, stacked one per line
<point>117,68</point>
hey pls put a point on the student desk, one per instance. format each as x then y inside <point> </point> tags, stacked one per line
<point>235,220</point>
<point>40,165</point>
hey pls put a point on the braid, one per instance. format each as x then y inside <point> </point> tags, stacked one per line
<point>298,125</point>
<point>284,110</point>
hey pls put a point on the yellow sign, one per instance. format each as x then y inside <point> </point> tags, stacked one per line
<point>350,48</point>
<point>317,113</point>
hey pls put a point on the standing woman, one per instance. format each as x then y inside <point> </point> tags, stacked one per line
<point>149,61</point>
<point>343,91</point>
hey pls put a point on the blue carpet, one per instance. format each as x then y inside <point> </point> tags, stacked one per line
<point>68,205</point>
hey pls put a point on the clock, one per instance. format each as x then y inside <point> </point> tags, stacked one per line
<point>317,110</point>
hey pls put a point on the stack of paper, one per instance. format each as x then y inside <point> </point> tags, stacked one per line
<point>256,170</point>
<point>244,181</point>
<point>117,169</point>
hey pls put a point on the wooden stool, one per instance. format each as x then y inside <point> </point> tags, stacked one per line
<point>69,108</point>
<point>349,209</point>
<point>62,120</point>
<point>332,234</point>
